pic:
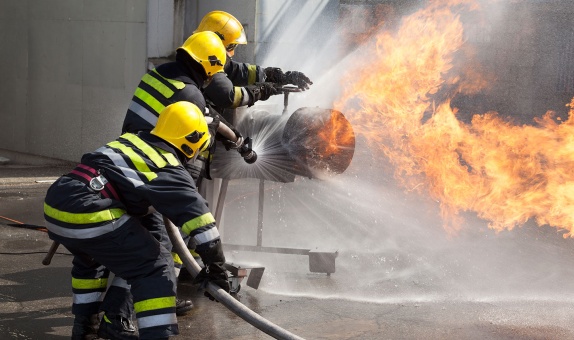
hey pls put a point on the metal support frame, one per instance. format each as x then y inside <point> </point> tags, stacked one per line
<point>319,261</point>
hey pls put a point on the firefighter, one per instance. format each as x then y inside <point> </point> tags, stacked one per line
<point>93,210</point>
<point>200,57</point>
<point>250,83</point>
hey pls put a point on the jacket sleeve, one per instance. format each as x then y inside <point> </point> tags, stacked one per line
<point>173,194</point>
<point>242,74</point>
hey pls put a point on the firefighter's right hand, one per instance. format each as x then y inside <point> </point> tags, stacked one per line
<point>214,273</point>
<point>261,91</point>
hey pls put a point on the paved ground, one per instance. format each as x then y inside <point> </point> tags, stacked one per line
<point>35,299</point>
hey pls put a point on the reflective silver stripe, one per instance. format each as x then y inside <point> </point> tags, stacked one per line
<point>144,113</point>
<point>157,320</point>
<point>119,282</point>
<point>206,236</point>
<point>88,232</point>
<point>244,97</point>
<point>121,163</point>
<point>80,299</point>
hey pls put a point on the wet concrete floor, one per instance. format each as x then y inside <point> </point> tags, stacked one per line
<point>35,299</point>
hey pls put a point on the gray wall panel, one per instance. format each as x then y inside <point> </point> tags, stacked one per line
<point>102,120</point>
<point>115,10</point>
<point>54,51</point>
<point>70,68</point>
<point>14,41</point>
<point>13,99</point>
<point>13,9</point>
<point>55,10</point>
<point>109,37</point>
<point>54,119</point>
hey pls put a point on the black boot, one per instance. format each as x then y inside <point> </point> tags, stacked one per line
<point>85,327</point>
<point>182,306</point>
<point>117,327</point>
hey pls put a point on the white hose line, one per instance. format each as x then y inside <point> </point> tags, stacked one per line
<point>221,295</point>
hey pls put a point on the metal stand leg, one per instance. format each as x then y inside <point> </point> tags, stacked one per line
<point>220,200</point>
<point>260,213</point>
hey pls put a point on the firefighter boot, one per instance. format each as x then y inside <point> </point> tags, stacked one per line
<point>85,327</point>
<point>182,306</point>
<point>116,327</point>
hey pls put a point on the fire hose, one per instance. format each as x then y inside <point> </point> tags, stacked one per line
<point>221,295</point>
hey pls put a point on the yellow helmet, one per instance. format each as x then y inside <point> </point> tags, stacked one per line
<point>183,125</point>
<point>207,49</point>
<point>227,27</point>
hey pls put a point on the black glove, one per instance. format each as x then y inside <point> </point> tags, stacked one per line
<point>275,75</point>
<point>214,125</point>
<point>211,254</point>
<point>229,144</point>
<point>214,273</point>
<point>261,91</point>
<point>299,79</point>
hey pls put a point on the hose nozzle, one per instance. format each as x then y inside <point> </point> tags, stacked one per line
<point>246,151</point>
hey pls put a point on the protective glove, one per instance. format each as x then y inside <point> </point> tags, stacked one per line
<point>299,79</point>
<point>229,144</point>
<point>261,91</point>
<point>214,125</point>
<point>275,75</point>
<point>211,254</point>
<point>214,273</point>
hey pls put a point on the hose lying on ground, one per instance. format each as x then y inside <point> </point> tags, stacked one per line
<point>221,295</point>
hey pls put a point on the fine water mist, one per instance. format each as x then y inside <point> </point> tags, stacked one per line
<point>391,241</point>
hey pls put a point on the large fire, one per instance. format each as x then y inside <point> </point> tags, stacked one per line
<point>507,174</point>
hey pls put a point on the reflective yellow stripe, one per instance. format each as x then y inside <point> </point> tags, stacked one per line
<point>198,222</point>
<point>149,100</point>
<point>89,283</point>
<point>83,218</point>
<point>204,153</point>
<point>148,150</point>
<point>237,97</point>
<point>194,253</point>
<point>251,74</point>
<point>157,85</point>
<point>153,304</point>
<point>168,156</point>
<point>176,258</point>
<point>176,83</point>
<point>135,158</point>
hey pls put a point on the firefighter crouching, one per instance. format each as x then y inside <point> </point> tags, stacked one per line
<point>91,212</point>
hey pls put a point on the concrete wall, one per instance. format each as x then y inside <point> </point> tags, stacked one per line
<point>69,68</point>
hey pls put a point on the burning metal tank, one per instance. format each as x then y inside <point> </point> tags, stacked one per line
<point>311,142</point>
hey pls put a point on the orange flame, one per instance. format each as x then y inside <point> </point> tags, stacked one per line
<point>506,174</point>
<point>336,135</point>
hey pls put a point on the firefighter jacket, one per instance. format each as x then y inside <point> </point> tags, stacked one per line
<point>166,84</point>
<point>122,179</point>
<point>223,94</point>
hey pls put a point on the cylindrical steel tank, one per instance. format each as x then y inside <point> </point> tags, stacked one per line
<point>309,142</point>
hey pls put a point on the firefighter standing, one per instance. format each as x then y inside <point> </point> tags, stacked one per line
<point>91,212</point>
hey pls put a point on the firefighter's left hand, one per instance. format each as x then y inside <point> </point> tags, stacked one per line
<point>214,273</point>
<point>299,79</point>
